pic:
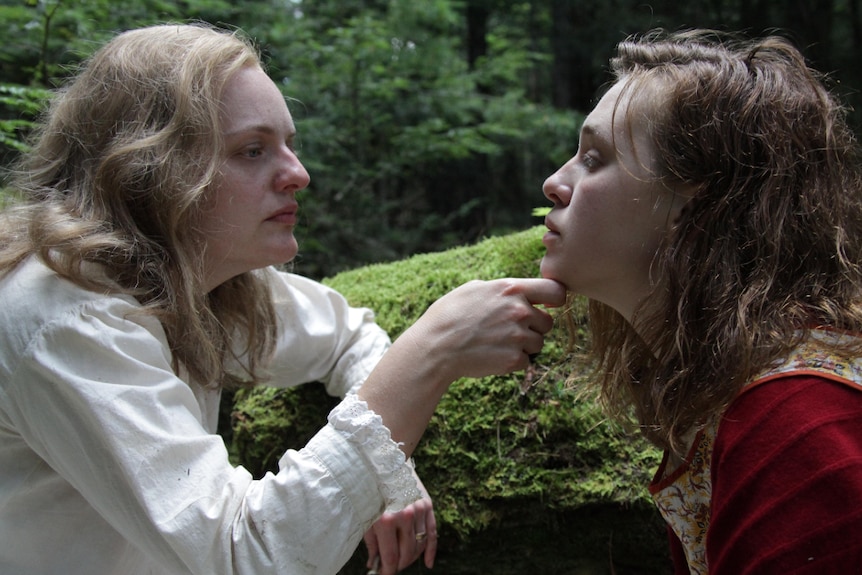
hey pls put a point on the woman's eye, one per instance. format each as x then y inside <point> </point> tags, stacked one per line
<point>253,152</point>
<point>589,161</point>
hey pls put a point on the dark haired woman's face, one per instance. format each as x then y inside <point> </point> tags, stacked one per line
<point>253,210</point>
<point>610,212</point>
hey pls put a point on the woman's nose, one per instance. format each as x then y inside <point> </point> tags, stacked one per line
<point>556,190</point>
<point>293,176</point>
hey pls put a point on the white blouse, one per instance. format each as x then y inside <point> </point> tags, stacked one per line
<point>110,464</point>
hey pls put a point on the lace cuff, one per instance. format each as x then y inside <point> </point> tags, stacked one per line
<point>362,427</point>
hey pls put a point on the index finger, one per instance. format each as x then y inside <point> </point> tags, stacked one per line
<point>547,292</point>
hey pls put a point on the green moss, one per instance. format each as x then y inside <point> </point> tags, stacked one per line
<point>400,292</point>
<point>499,451</point>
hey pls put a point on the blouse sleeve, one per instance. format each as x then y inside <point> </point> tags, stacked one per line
<point>95,397</point>
<point>322,337</point>
<point>787,481</point>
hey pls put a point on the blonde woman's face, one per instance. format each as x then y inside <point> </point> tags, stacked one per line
<point>251,216</point>
<point>610,212</point>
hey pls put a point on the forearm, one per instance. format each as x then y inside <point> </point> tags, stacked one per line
<point>404,389</point>
<point>479,329</point>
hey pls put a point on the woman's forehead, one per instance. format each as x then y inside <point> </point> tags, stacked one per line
<point>622,113</point>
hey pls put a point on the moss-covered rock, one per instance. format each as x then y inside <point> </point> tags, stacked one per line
<point>526,476</point>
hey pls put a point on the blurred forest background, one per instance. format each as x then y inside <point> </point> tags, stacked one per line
<point>425,124</point>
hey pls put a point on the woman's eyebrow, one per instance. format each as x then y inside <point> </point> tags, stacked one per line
<point>594,134</point>
<point>260,129</point>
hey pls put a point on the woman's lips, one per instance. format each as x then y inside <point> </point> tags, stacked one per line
<point>285,216</point>
<point>551,235</point>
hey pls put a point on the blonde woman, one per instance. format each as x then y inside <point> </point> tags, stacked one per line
<point>136,282</point>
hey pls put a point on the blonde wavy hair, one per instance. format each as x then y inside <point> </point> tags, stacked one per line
<point>769,246</point>
<point>118,175</point>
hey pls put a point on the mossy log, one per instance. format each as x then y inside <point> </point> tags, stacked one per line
<point>527,476</point>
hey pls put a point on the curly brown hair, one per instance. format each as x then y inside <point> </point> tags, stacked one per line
<point>118,175</point>
<point>768,247</point>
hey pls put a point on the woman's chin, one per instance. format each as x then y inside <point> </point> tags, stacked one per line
<point>547,272</point>
<point>284,252</point>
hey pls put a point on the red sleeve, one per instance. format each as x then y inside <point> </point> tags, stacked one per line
<point>787,481</point>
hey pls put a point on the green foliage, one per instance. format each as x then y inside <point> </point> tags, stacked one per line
<point>44,40</point>
<point>398,112</point>
<point>416,147</point>
<point>19,106</point>
<point>424,125</point>
<point>51,36</point>
<point>23,104</point>
<point>528,439</point>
